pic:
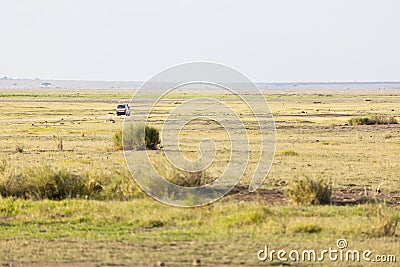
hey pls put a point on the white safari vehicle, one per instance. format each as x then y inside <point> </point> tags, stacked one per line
<point>123,109</point>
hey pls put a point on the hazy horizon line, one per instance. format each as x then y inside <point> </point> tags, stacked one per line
<point>6,78</point>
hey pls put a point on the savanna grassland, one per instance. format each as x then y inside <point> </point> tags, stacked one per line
<point>67,195</point>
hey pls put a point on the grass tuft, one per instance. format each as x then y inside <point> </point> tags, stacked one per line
<point>385,223</point>
<point>288,152</point>
<point>3,165</point>
<point>117,140</point>
<point>191,179</point>
<point>307,191</point>
<point>9,206</point>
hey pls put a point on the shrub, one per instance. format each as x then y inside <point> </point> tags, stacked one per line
<point>383,119</point>
<point>133,137</point>
<point>309,192</point>
<point>41,183</point>
<point>152,137</point>
<point>44,182</point>
<point>12,187</point>
<point>374,119</point>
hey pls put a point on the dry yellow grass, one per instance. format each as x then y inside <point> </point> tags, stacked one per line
<point>313,124</point>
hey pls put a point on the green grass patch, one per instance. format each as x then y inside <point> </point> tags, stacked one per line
<point>145,231</point>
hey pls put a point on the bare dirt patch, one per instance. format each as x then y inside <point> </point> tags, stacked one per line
<point>339,197</point>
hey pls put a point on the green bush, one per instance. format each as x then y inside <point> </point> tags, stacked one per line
<point>133,137</point>
<point>152,137</point>
<point>138,136</point>
<point>41,183</point>
<point>44,182</point>
<point>309,192</point>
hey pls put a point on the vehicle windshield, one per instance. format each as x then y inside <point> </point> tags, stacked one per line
<point>121,106</point>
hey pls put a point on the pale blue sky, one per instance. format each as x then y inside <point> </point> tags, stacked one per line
<point>269,41</point>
